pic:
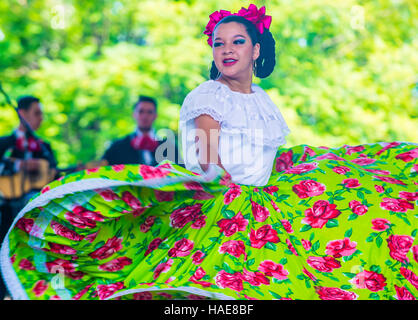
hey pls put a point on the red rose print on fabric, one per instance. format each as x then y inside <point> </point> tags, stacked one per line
<point>287,225</point>
<point>399,246</point>
<point>307,245</point>
<point>193,185</point>
<point>380,224</point>
<point>261,236</point>
<point>197,276</point>
<point>40,287</point>
<point>134,203</point>
<point>162,196</point>
<point>260,213</point>
<point>408,196</point>
<point>199,223</point>
<point>153,245</point>
<point>270,189</point>
<point>108,194</point>
<point>396,205</point>
<point>388,146</point>
<point>274,205</point>
<point>358,208</point>
<point>321,212</point>
<point>148,223</point>
<point>335,294</point>
<point>351,150</point>
<point>118,167</point>
<point>230,226</point>
<point>63,231</point>
<point>302,168</point>
<point>378,171</point>
<point>351,183</point>
<point>182,216</point>
<point>402,293</point>
<point>339,248</point>
<point>410,276</point>
<point>291,247</point>
<point>116,264</point>
<point>148,172</point>
<point>272,269</point>
<point>145,295</point>
<point>415,252</point>
<point>255,278</point>
<point>310,275</point>
<point>308,151</point>
<point>329,156</point>
<point>408,156</point>
<point>198,257</point>
<point>25,224</point>
<point>25,264</point>
<point>341,169</point>
<point>232,193</point>
<point>111,246</point>
<point>61,249</point>
<point>229,280</point>
<point>79,295</point>
<point>308,188</point>
<point>64,266</point>
<point>82,218</point>
<point>363,161</point>
<point>390,180</point>
<point>284,161</point>
<point>379,188</point>
<point>162,268</point>
<point>235,248</point>
<point>202,195</point>
<point>105,291</point>
<point>369,280</point>
<point>324,264</point>
<point>181,248</point>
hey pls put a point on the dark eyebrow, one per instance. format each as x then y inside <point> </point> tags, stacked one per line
<point>237,35</point>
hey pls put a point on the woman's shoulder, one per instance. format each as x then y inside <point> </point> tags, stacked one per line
<point>209,87</point>
<point>206,98</point>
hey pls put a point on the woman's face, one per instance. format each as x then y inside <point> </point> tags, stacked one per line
<point>233,51</point>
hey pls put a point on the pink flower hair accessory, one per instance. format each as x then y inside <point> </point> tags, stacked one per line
<point>256,16</point>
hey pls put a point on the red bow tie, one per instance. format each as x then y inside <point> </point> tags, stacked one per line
<point>29,144</point>
<point>145,142</point>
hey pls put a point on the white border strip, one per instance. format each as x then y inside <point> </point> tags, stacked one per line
<point>9,275</point>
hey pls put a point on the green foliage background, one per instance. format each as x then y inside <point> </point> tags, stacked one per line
<point>346,71</point>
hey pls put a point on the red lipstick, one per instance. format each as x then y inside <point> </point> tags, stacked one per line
<point>229,62</point>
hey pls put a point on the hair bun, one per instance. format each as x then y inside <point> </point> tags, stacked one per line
<point>266,62</point>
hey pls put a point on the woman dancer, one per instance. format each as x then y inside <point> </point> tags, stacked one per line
<point>247,219</point>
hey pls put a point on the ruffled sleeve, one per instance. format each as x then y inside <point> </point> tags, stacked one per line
<point>205,99</point>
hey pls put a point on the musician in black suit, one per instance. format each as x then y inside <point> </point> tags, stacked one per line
<point>20,151</point>
<point>142,146</point>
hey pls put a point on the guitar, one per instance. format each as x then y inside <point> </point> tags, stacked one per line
<point>22,182</point>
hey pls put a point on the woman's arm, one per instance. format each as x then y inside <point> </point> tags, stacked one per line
<point>207,141</point>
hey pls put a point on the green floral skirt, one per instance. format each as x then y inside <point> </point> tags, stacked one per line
<point>330,224</point>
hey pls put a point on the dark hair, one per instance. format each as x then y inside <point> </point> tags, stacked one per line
<point>264,65</point>
<point>25,102</point>
<point>146,99</point>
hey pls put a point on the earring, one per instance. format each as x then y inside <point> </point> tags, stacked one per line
<point>254,67</point>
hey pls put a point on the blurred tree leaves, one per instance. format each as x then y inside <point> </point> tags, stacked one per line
<point>346,71</point>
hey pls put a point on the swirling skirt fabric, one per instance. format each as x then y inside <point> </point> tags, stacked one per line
<point>331,224</point>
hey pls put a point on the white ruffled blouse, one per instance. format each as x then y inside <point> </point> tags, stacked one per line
<point>251,130</point>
